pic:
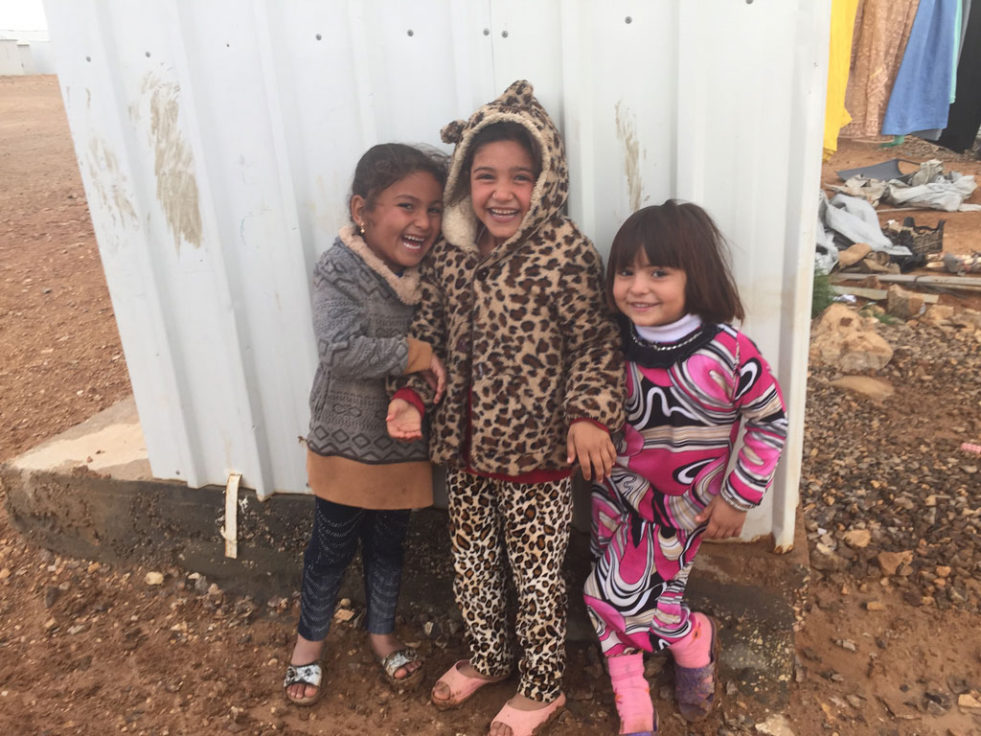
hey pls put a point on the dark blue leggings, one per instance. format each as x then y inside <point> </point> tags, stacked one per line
<point>336,531</point>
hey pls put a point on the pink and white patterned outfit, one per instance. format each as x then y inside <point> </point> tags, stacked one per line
<point>690,387</point>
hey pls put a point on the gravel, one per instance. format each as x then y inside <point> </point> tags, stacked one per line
<point>889,496</point>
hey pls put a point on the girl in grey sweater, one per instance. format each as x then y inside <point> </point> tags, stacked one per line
<point>366,288</point>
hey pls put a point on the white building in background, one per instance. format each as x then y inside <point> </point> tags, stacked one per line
<point>24,43</point>
<point>217,138</point>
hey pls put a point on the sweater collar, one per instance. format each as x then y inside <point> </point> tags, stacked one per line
<point>406,286</point>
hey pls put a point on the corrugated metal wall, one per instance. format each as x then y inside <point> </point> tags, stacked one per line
<point>216,140</point>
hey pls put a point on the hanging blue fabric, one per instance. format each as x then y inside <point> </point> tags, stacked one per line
<point>920,95</point>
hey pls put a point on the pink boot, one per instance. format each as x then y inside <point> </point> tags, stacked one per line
<point>632,694</point>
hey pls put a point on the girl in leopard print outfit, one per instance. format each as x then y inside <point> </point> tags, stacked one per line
<point>513,303</point>
<point>693,381</point>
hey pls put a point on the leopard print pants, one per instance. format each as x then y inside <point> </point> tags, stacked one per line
<point>496,525</point>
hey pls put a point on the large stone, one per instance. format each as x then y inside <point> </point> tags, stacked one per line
<point>969,702</point>
<point>890,562</point>
<point>775,725</point>
<point>904,304</point>
<point>844,339</point>
<point>939,314</point>
<point>877,389</point>
<point>853,254</point>
<point>967,318</point>
<point>858,538</point>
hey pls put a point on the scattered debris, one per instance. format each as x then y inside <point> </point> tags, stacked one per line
<point>921,239</point>
<point>926,188</point>
<point>883,171</point>
<point>956,264</point>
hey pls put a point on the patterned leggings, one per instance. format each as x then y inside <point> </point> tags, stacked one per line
<point>336,531</point>
<point>634,594</point>
<point>499,527</point>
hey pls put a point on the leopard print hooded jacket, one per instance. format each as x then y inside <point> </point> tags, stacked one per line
<point>525,333</point>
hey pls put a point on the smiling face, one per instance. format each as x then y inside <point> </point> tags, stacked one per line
<point>650,296</point>
<point>501,181</point>
<point>404,220</point>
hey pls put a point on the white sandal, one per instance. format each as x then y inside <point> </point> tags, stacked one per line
<point>304,674</point>
<point>397,660</point>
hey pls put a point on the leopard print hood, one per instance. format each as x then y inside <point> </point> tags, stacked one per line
<point>524,331</point>
<point>517,104</point>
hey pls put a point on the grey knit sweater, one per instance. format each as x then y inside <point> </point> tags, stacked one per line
<point>361,313</point>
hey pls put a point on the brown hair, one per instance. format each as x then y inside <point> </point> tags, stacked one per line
<point>681,235</point>
<point>386,163</point>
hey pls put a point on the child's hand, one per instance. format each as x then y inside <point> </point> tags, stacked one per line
<point>404,420</point>
<point>594,449</point>
<point>724,521</point>
<point>436,378</point>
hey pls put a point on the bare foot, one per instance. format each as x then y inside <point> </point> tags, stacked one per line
<point>383,645</point>
<point>304,652</point>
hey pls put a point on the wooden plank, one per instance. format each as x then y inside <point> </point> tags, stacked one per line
<point>876,295</point>
<point>950,282</point>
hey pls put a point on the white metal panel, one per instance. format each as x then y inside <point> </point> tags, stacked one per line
<point>217,139</point>
<point>41,57</point>
<point>11,62</point>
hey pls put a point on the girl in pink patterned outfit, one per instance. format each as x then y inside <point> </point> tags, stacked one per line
<point>693,381</point>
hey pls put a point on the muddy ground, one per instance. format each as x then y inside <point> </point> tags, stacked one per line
<point>88,648</point>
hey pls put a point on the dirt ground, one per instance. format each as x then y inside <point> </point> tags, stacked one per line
<point>91,649</point>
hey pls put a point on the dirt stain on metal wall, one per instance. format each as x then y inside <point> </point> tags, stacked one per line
<point>627,134</point>
<point>177,189</point>
<point>112,188</point>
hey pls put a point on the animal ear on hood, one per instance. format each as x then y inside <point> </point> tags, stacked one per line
<point>453,132</point>
<point>518,94</point>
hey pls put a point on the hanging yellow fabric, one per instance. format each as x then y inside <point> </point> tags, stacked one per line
<point>839,61</point>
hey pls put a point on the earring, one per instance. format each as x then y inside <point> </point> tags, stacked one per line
<point>361,229</point>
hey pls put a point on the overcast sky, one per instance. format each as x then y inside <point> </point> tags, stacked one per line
<point>22,15</point>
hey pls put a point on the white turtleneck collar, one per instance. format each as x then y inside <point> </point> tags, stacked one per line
<point>669,333</point>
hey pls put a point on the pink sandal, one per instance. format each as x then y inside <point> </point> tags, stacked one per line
<point>694,687</point>
<point>461,687</point>
<point>529,722</point>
